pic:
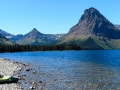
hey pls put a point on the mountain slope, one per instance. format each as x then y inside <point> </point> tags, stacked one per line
<point>4,40</point>
<point>16,37</point>
<point>12,37</point>
<point>34,37</point>
<point>117,26</point>
<point>94,27</point>
<point>4,33</point>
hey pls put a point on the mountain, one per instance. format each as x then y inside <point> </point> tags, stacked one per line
<point>12,37</point>
<point>4,40</point>
<point>4,33</point>
<point>34,37</point>
<point>16,37</point>
<point>117,26</point>
<point>93,31</point>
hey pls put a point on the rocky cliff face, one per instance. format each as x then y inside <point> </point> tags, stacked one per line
<point>94,23</point>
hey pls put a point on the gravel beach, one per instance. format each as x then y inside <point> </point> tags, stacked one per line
<point>8,68</point>
<point>23,71</point>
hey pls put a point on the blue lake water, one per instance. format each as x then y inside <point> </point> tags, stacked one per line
<point>74,70</point>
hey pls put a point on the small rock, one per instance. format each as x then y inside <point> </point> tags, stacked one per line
<point>34,72</point>
<point>40,81</point>
<point>24,75</point>
<point>33,82</point>
<point>40,88</point>
<point>19,82</point>
<point>43,84</point>
<point>24,64</point>
<point>28,69</point>
<point>25,87</point>
<point>32,87</point>
<point>16,62</point>
<point>20,69</point>
<point>21,77</point>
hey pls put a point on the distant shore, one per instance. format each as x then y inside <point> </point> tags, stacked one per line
<point>8,68</point>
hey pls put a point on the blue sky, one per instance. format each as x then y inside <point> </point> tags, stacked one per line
<point>51,16</point>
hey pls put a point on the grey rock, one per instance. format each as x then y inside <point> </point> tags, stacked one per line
<point>40,81</point>
<point>32,87</point>
<point>27,70</point>
<point>40,88</point>
<point>34,72</point>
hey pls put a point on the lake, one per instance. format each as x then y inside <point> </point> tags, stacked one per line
<point>74,70</point>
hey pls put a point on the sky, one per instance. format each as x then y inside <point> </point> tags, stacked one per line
<point>51,16</point>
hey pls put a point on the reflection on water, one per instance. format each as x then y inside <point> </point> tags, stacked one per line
<point>74,70</point>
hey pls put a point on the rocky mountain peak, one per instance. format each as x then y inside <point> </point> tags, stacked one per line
<point>92,22</point>
<point>33,33</point>
<point>34,30</point>
<point>91,13</point>
<point>91,9</point>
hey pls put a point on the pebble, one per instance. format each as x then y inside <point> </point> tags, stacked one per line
<point>32,87</point>
<point>34,72</point>
<point>28,69</point>
<point>40,81</point>
<point>33,82</point>
<point>40,88</point>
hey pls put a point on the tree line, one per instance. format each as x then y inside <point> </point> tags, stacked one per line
<point>27,48</point>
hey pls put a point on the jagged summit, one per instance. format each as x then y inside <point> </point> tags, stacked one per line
<point>34,30</point>
<point>34,33</point>
<point>91,13</point>
<point>91,9</point>
<point>92,22</point>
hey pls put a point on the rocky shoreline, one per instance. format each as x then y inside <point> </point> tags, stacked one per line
<point>23,71</point>
<point>8,68</point>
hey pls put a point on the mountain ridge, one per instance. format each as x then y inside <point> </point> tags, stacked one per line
<point>6,34</point>
<point>94,25</point>
<point>93,22</point>
<point>117,26</point>
<point>93,31</point>
<point>5,41</point>
<point>34,37</point>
